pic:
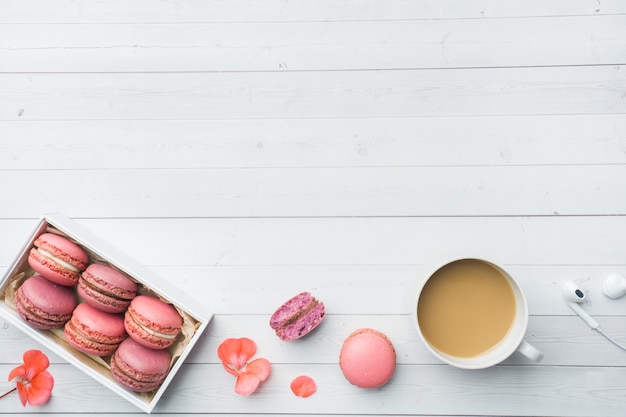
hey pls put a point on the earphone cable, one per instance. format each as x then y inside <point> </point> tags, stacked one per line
<point>610,339</point>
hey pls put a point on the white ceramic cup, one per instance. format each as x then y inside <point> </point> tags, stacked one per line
<point>512,341</point>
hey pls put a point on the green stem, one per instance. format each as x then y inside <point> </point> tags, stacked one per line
<point>7,393</point>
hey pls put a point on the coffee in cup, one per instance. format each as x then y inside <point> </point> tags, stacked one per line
<point>472,314</point>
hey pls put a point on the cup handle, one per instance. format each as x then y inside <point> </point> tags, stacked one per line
<point>530,351</point>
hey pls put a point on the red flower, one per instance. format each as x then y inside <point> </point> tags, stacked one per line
<point>303,386</point>
<point>34,382</point>
<point>234,354</point>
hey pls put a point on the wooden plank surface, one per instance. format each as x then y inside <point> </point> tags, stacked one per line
<point>336,94</point>
<point>189,11</point>
<point>320,46</point>
<point>345,142</point>
<point>249,150</point>
<point>293,192</point>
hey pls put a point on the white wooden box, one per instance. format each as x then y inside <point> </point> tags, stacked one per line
<point>196,317</point>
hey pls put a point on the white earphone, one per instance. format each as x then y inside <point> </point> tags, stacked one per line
<point>573,295</point>
<point>614,286</point>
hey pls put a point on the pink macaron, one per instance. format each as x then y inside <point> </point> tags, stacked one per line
<point>297,317</point>
<point>94,331</point>
<point>106,288</point>
<point>367,358</point>
<point>58,259</point>
<point>44,304</point>
<point>139,368</point>
<point>152,322</point>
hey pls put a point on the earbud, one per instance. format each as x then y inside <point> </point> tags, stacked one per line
<point>614,286</point>
<point>573,295</point>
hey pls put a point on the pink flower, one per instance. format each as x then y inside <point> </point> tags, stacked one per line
<point>34,382</point>
<point>235,354</point>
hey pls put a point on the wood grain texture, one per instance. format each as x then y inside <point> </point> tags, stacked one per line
<point>315,143</point>
<point>557,240</point>
<point>402,93</point>
<point>189,11</point>
<point>474,393</point>
<point>248,150</point>
<point>320,46</point>
<point>322,192</point>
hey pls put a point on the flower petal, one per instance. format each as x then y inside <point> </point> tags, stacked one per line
<point>19,372</point>
<point>259,368</point>
<point>40,388</point>
<point>303,386</point>
<point>246,384</point>
<point>236,352</point>
<point>35,362</point>
<point>23,393</point>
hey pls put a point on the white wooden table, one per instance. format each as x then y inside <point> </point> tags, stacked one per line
<point>249,150</point>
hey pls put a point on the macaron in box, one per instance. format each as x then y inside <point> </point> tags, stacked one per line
<point>94,331</point>
<point>194,314</point>
<point>106,288</point>
<point>58,259</point>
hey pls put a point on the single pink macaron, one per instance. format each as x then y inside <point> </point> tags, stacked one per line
<point>58,259</point>
<point>297,317</point>
<point>106,288</point>
<point>94,331</point>
<point>44,304</point>
<point>139,368</point>
<point>367,358</point>
<point>152,322</point>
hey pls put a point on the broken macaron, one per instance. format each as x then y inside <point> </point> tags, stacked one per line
<point>297,317</point>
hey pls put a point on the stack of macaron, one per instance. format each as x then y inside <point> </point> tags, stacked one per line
<point>47,300</point>
<point>96,327</point>
<point>98,307</point>
<point>142,361</point>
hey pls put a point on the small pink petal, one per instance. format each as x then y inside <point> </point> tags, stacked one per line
<point>303,386</point>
